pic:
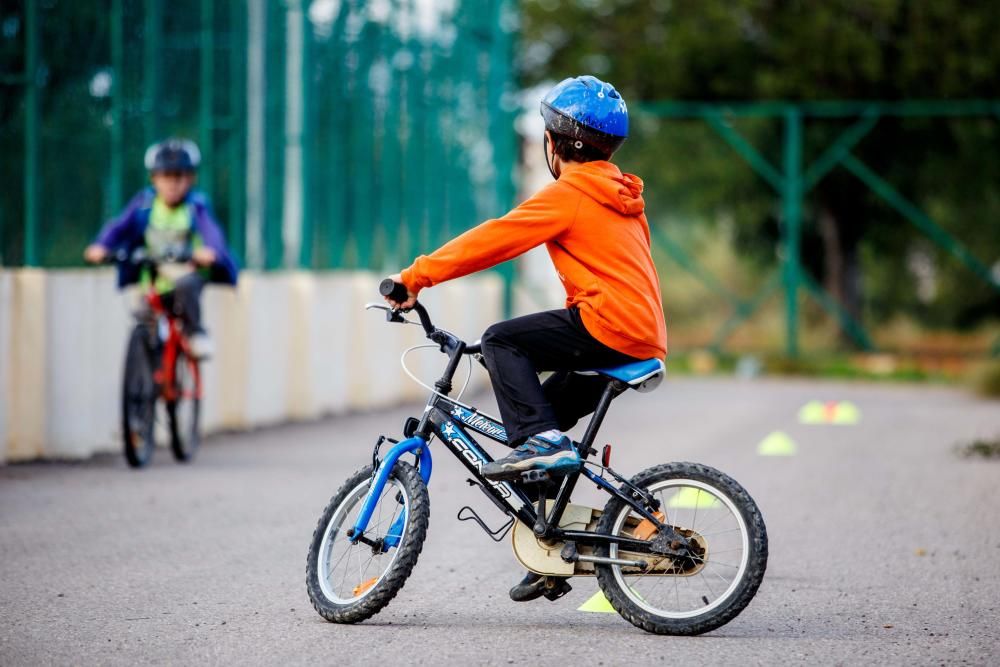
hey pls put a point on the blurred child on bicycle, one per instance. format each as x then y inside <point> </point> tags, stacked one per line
<point>171,219</point>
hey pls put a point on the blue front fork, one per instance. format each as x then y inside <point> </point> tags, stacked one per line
<point>415,445</point>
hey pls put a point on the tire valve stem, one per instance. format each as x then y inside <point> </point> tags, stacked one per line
<point>704,598</point>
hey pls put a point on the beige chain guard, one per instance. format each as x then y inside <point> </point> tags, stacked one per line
<point>542,557</point>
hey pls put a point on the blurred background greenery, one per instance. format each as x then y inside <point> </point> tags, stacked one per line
<point>386,127</point>
<point>884,271</point>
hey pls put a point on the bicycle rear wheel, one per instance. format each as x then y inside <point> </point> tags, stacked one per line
<point>724,561</point>
<point>138,400</point>
<point>350,581</point>
<point>184,412</point>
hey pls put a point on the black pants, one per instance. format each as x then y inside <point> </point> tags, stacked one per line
<point>555,340</point>
<point>185,301</point>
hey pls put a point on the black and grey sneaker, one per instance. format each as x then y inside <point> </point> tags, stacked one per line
<point>534,586</point>
<point>537,453</point>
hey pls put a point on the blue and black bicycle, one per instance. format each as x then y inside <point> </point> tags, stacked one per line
<point>679,549</point>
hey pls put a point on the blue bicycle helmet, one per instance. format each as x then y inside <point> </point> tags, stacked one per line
<point>173,155</point>
<point>588,110</point>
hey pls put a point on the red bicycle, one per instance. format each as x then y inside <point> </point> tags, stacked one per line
<point>159,366</point>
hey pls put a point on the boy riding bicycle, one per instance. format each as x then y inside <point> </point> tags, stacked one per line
<point>171,219</point>
<point>593,224</point>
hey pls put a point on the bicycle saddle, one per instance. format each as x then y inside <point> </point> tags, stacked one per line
<point>641,375</point>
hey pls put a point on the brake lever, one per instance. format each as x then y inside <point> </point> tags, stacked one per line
<point>391,314</point>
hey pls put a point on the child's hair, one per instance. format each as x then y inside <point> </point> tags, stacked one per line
<point>568,148</point>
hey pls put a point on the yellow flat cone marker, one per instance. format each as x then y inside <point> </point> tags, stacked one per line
<point>691,498</point>
<point>813,412</point>
<point>846,413</point>
<point>777,444</point>
<point>597,604</point>
<point>830,412</point>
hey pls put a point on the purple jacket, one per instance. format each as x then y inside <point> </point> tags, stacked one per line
<point>128,232</point>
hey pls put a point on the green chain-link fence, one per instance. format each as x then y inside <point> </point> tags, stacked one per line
<point>335,133</point>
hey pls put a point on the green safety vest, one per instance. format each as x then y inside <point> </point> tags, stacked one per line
<point>168,228</point>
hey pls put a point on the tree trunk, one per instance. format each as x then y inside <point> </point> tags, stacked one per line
<point>840,233</point>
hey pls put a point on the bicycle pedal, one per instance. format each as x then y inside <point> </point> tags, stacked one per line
<point>534,476</point>
<point>559,589</point>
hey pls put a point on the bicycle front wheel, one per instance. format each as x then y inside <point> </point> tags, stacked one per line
<point>723,562</point>
<point>350,581</point>
<point>184,409</point>
<point>138,400</point>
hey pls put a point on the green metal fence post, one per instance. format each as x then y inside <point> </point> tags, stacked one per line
<point>151,101</point>
<point>275,36</point>
<point>362,164</point>
<point>237,113</point>
<point>31,135</point>
<point>338,207</point>
<point>206,135</point>
<point>117,108</point>
<point>415,151</point>
<point>392,169</point>
<point>305,259</point>
<point>791,194</point>
<point>504,137</point>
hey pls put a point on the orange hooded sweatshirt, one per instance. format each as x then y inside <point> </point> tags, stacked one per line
<point>592,222</point>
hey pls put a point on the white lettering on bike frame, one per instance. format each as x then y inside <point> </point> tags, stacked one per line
<point>474,420</point>
<point>473,455</point>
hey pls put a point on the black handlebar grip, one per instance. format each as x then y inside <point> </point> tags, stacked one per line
<point>395,291</point>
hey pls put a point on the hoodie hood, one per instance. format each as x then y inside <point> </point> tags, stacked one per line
<point>607,185</point>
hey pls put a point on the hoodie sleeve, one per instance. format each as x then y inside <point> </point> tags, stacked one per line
<point>120,230</point>
<point>226,269</point>
<point>538,219</point>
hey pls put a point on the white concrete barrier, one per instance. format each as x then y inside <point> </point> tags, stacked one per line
<point>6,376</point>
<point>288,346</point>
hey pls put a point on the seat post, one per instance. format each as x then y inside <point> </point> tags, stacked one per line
<point>612,391</point>
<point>614,388</point>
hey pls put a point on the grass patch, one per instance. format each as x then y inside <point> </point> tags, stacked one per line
<point>981,449</point>
<point>986,380</point>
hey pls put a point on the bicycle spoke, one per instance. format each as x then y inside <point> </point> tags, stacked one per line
<point>724,580</point>
<point>715,562</point>
<point>706,584</point>
<point>330,568</point>
<point>725,515</point>
<point>347,569</point>
<point>720,532</point>
<point>677,592</point>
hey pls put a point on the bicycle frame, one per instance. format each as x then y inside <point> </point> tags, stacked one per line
<point>166,375</point>
<point>451,420</point>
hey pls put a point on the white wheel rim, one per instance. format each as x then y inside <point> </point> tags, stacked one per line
<point>741,567</point>
<point>357,553</point>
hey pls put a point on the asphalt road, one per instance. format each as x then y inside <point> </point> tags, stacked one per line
<point>885,545</point>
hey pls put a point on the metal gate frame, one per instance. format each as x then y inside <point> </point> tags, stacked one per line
<point>792,183</point>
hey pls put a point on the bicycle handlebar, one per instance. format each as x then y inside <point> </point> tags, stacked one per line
<point>393,290</point>
<point>398,293</point>
<point>140,256</point>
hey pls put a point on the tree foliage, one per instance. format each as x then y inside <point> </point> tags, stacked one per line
<point>728,50</point>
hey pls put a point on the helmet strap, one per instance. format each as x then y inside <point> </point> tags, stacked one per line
<point>548,160</point>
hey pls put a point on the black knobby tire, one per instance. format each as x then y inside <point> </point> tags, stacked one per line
<point>391,581</point>
<point>184,414</point>
<point>139,395</point>
<point>736,600</point>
